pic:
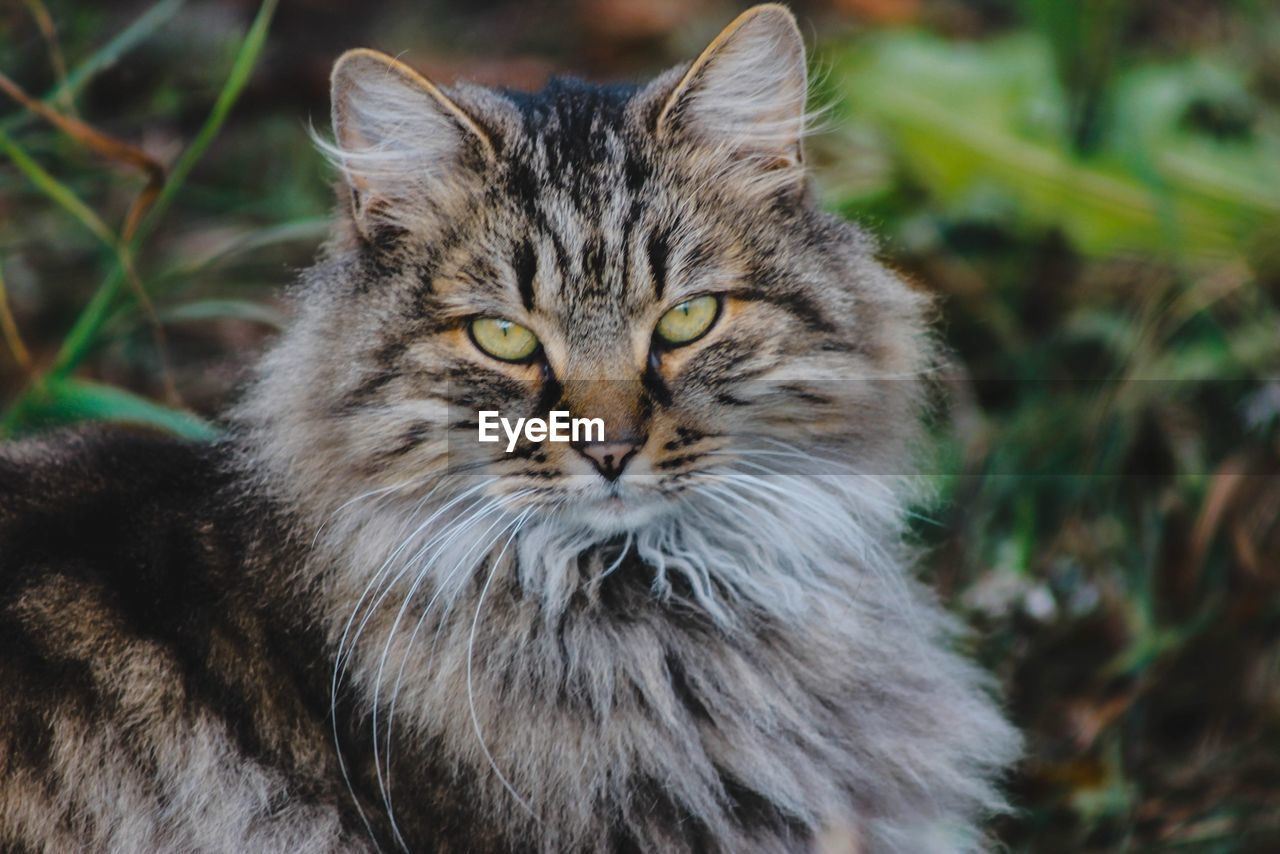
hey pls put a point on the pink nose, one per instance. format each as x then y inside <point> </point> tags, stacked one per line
<point>610,458</point>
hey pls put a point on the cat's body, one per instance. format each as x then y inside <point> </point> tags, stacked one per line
<point>685,639</point>
<point>162,692</point>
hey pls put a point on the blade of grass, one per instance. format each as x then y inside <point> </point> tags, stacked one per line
<point>9,328</point>
<point>57,191</point>
<point>224,309</point>
<point>120,247</point>
<point>83,334</point>
<point>103,144</point>
<point>49,32</point>
<point>241,69</point>
<point>105,56</point>
<point>311,229</point>
<point>67,401</point>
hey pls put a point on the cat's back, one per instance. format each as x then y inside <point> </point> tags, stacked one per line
<point>118,498</point>
<point>142,709</point>
<point>110,524</point>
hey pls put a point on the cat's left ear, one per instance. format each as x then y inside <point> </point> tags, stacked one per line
<point>401,142</point>
<point>745,93</point>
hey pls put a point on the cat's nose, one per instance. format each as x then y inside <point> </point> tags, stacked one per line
<point>610,458</point>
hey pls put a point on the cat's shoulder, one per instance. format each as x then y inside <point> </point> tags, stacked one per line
<point>105,497</point>
<point>72,466</point>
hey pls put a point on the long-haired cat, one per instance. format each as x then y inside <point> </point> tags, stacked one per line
<point>350,625</point>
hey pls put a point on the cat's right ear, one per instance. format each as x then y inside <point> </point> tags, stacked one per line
<point>744,97</point>
<point>401,143</point>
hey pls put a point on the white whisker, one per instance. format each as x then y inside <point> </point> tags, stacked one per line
<point>453,533</point>
<point>481,546</point>
<point>471,639</point>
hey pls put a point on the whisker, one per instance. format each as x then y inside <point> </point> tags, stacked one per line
<point>387,563</point>
<point>333,688</point>
<point>471,639</point>
<point>872,555</point>
<point>458,530</point>
<point>626,547</point>
<point>864,478</point>
<point>339,663</point>
<point>480,545</point>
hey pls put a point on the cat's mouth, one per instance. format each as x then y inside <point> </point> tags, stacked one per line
<point>616,507</point>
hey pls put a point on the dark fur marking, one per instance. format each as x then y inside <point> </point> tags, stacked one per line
<point>657,388</point>
<point>679,462</point>
<point>794,302</point>
<point>526,267</point>
<point>636,173</point>
<point>683,691</point>
<point>728,399</point>
<point>386,358</point>
<point>411,438</point>
<point>523,187</point>
<point>593,265</point>
<point>658,248</point>
<point>807,396</point>
<point>700,254</point>
<point>381,255</point>
<point>755,812</point>
<point>563,262</point>
<point>551,395</point>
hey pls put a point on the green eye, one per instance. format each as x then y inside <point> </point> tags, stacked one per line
<point>689,321</point>
<point>503,339</point>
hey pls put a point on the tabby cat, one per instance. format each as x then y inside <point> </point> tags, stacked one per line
<point>349,625</point>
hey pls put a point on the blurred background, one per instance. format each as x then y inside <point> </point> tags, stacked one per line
<point>1091,189</point>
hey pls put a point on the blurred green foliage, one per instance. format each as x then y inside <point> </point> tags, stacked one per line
<point>991,124</point>
<point>51,397</point>
<point>1091,190</point>
<point>1100,221</point>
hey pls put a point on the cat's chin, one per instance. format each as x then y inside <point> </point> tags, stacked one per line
<point>609,513</point>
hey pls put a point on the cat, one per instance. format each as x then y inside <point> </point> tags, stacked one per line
<point>349,625</point>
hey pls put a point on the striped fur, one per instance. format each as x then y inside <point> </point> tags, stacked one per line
<point>350,626</point>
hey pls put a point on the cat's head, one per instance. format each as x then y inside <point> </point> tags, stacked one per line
<point>649,256</point>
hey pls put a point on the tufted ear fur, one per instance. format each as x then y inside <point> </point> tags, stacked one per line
<point>400,142</point>
<point>745,94</point>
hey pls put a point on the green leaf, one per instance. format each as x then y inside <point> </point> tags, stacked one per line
<point>967,119</point>
<point>58,402</point>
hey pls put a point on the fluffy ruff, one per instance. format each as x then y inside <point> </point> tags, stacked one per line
<point>756,654</point>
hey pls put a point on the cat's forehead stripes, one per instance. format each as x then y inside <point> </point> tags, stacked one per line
<point>569,139</point>
<point>572,174</point>
<point>587,222</point>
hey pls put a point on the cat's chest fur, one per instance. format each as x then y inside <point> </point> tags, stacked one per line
<point>624,717</point>
<point>621,726</point>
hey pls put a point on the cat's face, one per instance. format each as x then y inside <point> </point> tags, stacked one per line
<point>638,303</point>
<point>645,256</point>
